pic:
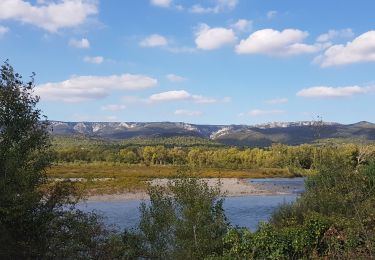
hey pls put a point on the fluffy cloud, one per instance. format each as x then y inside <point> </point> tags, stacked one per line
<point>178,95</point>
<point>259,112</point>
<point>277,101</point>
<point>213,38</point>
<point>183,112</point>
<point>94,60</point>
<point>276,43</point>
<point>243,25</point>
<point>220,6</point>
<point>323,91</point>
<point>81,44</point>
<point>175,78</point>
<point>83,88</point>
<point>361,49</point>
<point>332,34</point>
<point>170,96</point>
<point>113,107</point>
<point>3,30</point>
<point>154,40</point>
<point>161,3</point>
<point>49,16</point>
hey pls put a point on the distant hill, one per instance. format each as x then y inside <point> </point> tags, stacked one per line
<point>292,133</point>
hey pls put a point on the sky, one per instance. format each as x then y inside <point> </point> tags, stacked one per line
<point>203,62</point>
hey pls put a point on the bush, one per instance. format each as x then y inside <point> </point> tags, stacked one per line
<point>184,220</point>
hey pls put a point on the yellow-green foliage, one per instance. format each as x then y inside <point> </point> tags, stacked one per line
<point>306,157</point>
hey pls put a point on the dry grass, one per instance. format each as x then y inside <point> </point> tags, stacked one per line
<point>134,177</point>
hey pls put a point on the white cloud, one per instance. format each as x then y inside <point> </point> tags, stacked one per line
<point>161,3</point>
<point>258,112</point>
<point>167,4</point>
<point>183,112</point>
<point>83,88</point>
<point>81,44</point>
<point>179,95</point>
<point>332,34</point>
<point>277,43</point>
<point>50,16</point>
<point>94,60</point>
<point>213,38</point>
<point>175,78</point>
<point>154,40</point>
<point>3,30</point>
<point>220,6</point>
<point>113,107</point>
<point>361,49</point>
<point>324,91</point>
<point>277,101</point>
<point>243,25</point>
<point>170,96</point>
<point>271,14</point>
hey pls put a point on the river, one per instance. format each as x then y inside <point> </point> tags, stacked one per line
<point>245,211</point>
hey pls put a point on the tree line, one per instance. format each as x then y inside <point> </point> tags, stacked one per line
<point>305,156</point>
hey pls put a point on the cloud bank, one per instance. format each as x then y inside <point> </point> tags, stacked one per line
<point>49,16</point>
<point>83,88</point>
<point>324,91</point>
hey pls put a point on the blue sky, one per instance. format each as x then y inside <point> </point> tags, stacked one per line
<point>207,62</point>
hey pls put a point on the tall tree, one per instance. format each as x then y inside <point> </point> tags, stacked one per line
<point>23,157</point>
<point>25,211</point>
<point>38,219</point>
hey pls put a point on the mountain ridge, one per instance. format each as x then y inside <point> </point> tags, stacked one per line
<point>297,132</point>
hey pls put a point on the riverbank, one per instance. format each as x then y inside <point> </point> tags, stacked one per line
<point>232,187</point>
<point>101,179</point>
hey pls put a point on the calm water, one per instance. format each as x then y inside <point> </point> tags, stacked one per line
<point>290,185</point>
<point>242,211</point>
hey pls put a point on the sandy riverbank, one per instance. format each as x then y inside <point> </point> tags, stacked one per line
<point>232,187</point>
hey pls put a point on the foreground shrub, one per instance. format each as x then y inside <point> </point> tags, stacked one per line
<point>333,219</point>
<point>184,220</point>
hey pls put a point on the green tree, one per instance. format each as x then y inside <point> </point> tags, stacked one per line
<point>24,157</point>
<point>201,222</point>
<point>34,220</point>
<point>184,220</point>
